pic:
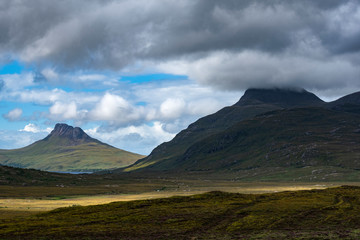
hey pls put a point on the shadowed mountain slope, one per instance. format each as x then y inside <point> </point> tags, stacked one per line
<point>353,99</point>
<point>348,103</point>
<point>298,137</point>
<point>68,149</point>
<point>252,103</point>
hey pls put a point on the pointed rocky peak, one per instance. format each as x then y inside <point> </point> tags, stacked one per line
<point>285,98</point>
<point>74,135</point>
<point>62,129</point>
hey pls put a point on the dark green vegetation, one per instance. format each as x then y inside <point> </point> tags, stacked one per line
<point>30,183</point>
<point>314,214</point>
<point>10,176</point>
<point>286,138</point>
<point>269,135</point>
<point>68,149</point>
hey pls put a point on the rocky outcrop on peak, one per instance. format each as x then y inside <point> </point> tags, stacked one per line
<point>74,135</point>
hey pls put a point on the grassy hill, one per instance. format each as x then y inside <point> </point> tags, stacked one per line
<point>314,214</point>
<point>68,149</point>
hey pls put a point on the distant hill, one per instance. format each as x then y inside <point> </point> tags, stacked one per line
<point>252,103</point>
<point>353,99</point>
<point>68,149</point>
<point>11,176</point>
<point>349,103</point>
<point>286,131</point>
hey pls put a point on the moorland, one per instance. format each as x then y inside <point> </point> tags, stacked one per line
<point>312,214</point>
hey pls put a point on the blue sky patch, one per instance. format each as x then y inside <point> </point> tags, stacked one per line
<point>141,104</point>
<point>13,67</point>
<point>152,78</point>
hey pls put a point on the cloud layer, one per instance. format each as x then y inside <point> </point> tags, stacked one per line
<point>234,44</point>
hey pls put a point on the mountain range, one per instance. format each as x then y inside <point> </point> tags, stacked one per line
<point>269,134</point>
<point>266,129</point>
<point>68,149</point>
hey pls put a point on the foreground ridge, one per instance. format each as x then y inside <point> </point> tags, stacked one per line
<point>312,214</point>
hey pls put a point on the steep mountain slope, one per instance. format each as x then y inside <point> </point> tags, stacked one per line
<point>252,103</point>
<point>68,149</point>
<point>297,137</point>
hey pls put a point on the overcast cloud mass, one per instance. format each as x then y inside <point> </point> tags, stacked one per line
<point>75,56</point>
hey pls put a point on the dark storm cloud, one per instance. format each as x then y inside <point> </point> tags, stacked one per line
<point>117,34</point>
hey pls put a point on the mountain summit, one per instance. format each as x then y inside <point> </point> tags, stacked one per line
<point>68,149</point>
<point>285,98</point>
<point>74,135</point>
<point>62,129</point>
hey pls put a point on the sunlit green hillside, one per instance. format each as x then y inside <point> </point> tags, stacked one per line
<point>68,149</point>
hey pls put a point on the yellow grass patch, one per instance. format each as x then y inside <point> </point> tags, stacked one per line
<point>39,205</point>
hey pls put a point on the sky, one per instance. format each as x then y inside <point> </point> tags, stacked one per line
<point>135,73</point>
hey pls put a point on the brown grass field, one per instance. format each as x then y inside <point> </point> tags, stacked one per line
<point>228,210</point>
<point>23,201</point>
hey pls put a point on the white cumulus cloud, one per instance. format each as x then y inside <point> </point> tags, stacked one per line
<point>33,128</point>
<point>116,110</point>
<point>14,114</point>
<point>111,107</point>
<point>140,139</point>
<point>173,107</point>
<point>64,110</point>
